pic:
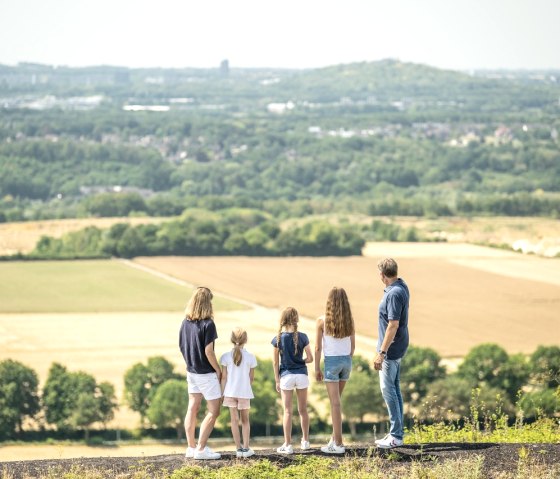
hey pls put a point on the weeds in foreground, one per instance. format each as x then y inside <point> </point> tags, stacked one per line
<point>529,466</point>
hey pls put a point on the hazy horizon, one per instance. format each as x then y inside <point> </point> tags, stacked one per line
<point>460,35</point>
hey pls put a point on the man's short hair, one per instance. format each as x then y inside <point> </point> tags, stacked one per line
<point>388,267</point>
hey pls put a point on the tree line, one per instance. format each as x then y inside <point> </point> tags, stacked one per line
<point>233,231</point>
<point>488,380</point>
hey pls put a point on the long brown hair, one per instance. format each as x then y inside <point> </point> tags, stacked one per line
<point>288,318</point>
<point>200,305</point>
<point>339,322</point>
<point>238,338</point>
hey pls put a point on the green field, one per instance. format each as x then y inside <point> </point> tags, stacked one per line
<point>89,286</point>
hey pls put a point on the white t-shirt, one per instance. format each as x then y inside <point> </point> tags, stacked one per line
<point>238,384</point>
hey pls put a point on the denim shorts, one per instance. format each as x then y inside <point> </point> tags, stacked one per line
<point>337,368</point>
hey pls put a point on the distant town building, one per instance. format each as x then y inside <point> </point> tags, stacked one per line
<point>224,68</point>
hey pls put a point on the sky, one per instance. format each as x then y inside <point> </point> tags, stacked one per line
<point>450,34</point>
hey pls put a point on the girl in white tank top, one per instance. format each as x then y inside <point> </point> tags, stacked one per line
<point>335,337</point>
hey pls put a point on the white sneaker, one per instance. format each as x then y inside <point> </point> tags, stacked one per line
<point>389,442</point>
<point>379,441</point>
<point>285,449</point>
<point>239,452</point>
<point>206,454</point>
<point>333,448</point>
<point>305,445</point>
<point>248,452</point>
<point>189,454</point>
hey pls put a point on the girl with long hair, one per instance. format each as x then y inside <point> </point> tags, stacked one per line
<point>238,372</point>
<point>336,338</point>
<point>196,342</point>
<point>290,372</point>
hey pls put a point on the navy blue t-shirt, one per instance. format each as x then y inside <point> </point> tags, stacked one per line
<point>291,361</point>
<point>394,307</point>
<point>194,336</point>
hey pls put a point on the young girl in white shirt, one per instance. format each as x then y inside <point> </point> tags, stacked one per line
<point>238,370</point>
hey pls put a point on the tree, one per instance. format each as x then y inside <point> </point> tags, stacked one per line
<point>545,402</point>
<point>421,367</point>
<point>141,381</point>
<point>265,406</point>
<point>452,398</point>
<point>489,364</point>
<point>361,396</point>
<point>75,400</point>
<point>18,396</point>
<point>169,405</point>
<point>545,366</point>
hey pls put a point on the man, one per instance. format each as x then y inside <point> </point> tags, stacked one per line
<point>391,347</point>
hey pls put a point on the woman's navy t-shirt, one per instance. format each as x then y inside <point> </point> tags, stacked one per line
<point>291,362</point>
<point>194,336</point>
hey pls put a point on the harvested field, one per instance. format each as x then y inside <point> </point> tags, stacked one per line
<point>492,296</point>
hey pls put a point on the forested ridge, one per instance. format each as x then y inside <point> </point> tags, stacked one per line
<point>379,138</point>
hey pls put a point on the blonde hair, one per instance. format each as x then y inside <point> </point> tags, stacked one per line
<point>339,322</point>
<point>388,267</point>
<point>238,338</point>
<point>200,305</point>
<point>288,318</point>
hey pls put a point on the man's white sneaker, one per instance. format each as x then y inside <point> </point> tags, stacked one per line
<point>206,454</point>
<point>285,449</point>
<point>379,441</point>
<point>333,448</point>
<point>305,445</point>
<point>389,442</point>
<point>189,454</point>
<point>248,452</point>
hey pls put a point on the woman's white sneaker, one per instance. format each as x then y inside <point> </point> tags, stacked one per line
<point>333,448</point>
<point>248,452</point>
<point>285,449</point>
<point>206,454</point>
<point>189,453</point>
<point>305,445</point>
<point>389,442</point>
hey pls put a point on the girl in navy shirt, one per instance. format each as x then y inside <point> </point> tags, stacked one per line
<point>290,372</point>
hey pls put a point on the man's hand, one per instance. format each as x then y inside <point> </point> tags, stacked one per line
<point>378,361</point>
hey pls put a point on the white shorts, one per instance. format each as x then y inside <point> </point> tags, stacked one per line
<point>205,384</point>
<point>289,382</point>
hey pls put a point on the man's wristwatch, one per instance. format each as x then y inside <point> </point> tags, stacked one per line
<point>383,352</point>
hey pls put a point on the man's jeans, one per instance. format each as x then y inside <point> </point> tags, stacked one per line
<point>389,380</point>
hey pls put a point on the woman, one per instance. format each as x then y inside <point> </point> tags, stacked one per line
<point>196,341</point>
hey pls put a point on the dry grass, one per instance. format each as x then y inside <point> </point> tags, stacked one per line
<point>21,237</point>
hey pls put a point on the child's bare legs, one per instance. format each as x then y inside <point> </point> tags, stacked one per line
<point>245,427</point>
<point>303,413</point>
<point>190,419</point>
<point>287,396</point>
<point>334,390</point>
<point>208,422</point>
<point>235,426</point>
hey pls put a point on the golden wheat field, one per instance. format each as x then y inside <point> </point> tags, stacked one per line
<point>461,295</point>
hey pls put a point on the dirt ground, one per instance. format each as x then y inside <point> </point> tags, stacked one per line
<point>499,459</point>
